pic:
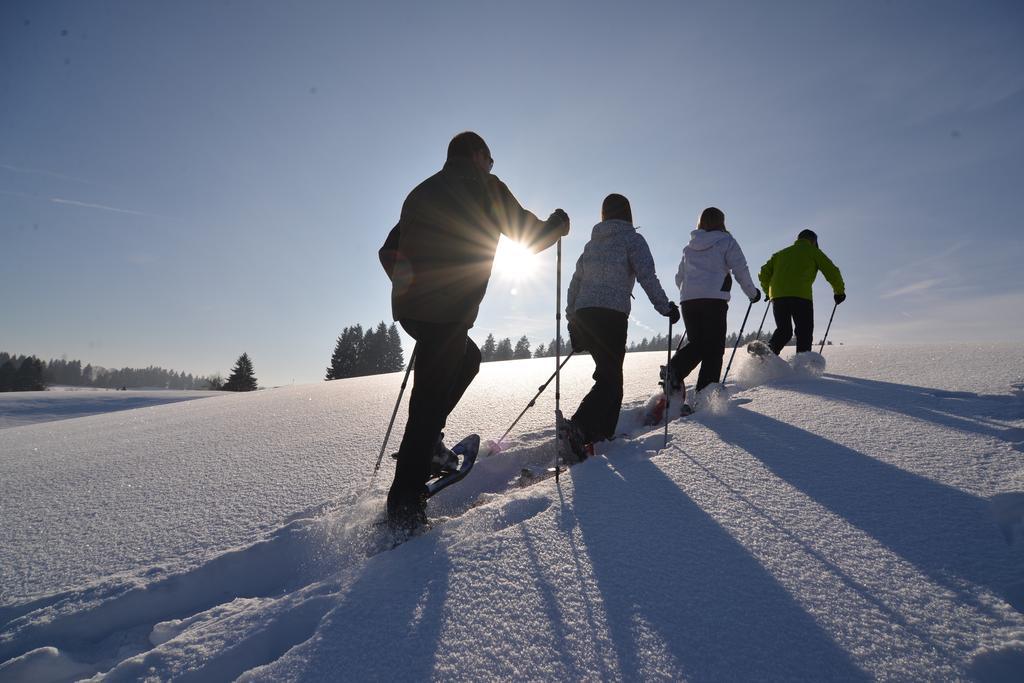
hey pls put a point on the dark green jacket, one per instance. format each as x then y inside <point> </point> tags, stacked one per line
<point>439,256</point>
<point>791,272</point>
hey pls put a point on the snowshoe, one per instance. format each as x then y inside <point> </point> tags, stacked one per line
<point>467,449</point>
<point>758,349</point>
<point>675,383</point>
<point>444,461</point>
<point>571,445</point>
<point>655,411</point>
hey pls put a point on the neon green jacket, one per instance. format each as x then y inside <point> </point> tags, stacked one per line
<point>791,272</point>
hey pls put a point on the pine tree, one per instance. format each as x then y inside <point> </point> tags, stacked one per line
<point>7,375</point>
<point>30,375</point>
<point>540,352</point>
<point>522,349</point>
<point>394,358</point>
<point>375,343</point>
<point>504,350</point>
<point>488,350</point>
<point>345,361</point>
<point>242,377</point>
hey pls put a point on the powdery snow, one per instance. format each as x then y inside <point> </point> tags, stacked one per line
<point>864,523</point>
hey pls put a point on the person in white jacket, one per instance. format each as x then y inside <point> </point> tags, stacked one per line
<point>704,279</point>
<point>598,305</point>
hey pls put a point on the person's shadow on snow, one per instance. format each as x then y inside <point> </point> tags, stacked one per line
<point>949,535</point>
<point>388,622</point>
<point>681,597</point>
<point>961,410</point>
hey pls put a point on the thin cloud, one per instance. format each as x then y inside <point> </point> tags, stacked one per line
<point>921,286</point>
<point>636,322</point>
<point>86,205</point>
<point>102,207</point>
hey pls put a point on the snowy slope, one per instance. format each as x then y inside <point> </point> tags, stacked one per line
<point>865,524</point>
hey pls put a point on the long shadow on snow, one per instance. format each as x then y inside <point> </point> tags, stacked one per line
<point>961,410</point>
<point>659,558</point>
<point>388,623</point>
<point>949,535</point>
<point>62,409</point>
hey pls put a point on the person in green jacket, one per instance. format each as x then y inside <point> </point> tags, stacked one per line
<point>787,278</point>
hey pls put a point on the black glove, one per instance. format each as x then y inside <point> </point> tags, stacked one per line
<point>560,217</point>
<point>840,298</point>
<point>673,313</point>
<point>757,297</point>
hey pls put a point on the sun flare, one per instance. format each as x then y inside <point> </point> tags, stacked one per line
<point>514,261</point>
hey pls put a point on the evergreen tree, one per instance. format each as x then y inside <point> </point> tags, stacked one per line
<point>30,375</point>
<point>7,375</point>
<point>504,350</point>
<point>522,349</point>
<point>540,352</point>
<point>242,377</point>
<point>375,344</point>
<point>488,350</point>
<point>345,361</point>
<point>215,382</point>
<point>394,359</point>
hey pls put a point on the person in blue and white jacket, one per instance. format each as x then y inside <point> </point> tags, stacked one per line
<point>598,305</point>
<point>704,279</point>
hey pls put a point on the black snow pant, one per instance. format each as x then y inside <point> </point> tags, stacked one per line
<point>705,329</point>
<point>602,332</point>
<point>447,360</point>
<point>787,311</point>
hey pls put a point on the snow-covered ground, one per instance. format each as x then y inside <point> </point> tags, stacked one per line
<point>19,408</point>
<point>868,523</point>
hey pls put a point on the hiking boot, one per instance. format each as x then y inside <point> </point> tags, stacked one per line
<point>572,442</point>
<point>407,515</point>
<point>675,384</point>
<point>443,460</point>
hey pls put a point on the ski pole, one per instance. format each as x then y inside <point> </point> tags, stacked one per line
<point>387,435</point>
<point>558,351</point>
<point>737,344</point>
<point>768,304</point>
<point>533,401</point>
<point>834,307</point>
<point>681,341</point>
<point>668,381</point>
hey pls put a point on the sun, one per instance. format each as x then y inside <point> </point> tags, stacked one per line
<point>514,261</point>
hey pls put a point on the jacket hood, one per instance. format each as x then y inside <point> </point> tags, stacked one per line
<point>705,239</point>
<point>610,228</point>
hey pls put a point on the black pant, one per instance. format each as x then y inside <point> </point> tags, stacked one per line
<point>602,332</point>
<point>447,360</point>
<point>787,311</point>
<point>705,329</point>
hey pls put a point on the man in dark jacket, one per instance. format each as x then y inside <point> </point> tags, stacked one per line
<point>439,259</point>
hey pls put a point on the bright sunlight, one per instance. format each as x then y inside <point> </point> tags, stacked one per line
<point>514,261</point>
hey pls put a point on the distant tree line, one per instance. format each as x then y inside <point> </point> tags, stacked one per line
<point>29,373</point>
<point>373,352</point>
<point>493,350</point>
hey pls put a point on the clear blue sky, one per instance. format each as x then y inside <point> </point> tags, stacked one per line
<point>181,182</point>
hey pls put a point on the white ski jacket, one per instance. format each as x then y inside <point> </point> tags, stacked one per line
<point>706,264</point>
<point>613,260</point>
